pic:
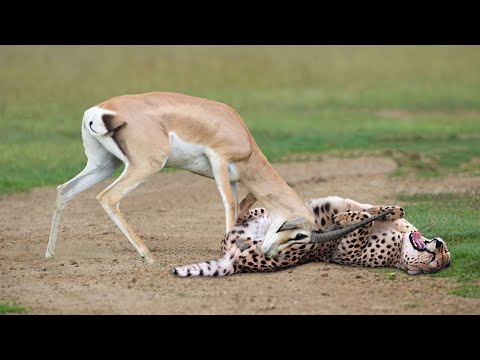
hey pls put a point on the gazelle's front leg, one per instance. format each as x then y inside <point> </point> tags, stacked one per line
<point>247,203</point>
<point>237,213</point>
<point>220,173</point>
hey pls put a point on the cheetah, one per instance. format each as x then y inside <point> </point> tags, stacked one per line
<point>390,241</point>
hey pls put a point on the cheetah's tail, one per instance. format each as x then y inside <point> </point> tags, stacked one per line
<point>218,267</point>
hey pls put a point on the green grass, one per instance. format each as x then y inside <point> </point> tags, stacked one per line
<point>418,104</point>
<point>6,308</point>
<point>454,218</point>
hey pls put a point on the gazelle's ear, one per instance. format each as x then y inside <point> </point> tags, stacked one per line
<point>293,224</point>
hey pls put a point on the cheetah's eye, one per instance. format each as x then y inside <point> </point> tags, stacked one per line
<point>300,237</point>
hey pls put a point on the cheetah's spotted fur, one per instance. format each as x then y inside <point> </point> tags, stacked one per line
<point>392,241</point>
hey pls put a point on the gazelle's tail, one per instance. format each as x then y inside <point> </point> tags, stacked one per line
<point>218,267</point>
<point>101,122</point>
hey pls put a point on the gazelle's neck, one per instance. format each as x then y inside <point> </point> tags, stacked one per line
<point>263,181</point>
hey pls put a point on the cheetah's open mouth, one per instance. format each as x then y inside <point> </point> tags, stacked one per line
<point>417,241</point>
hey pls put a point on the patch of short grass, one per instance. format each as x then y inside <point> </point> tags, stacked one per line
<point>6,308</point>
<point>455,219</point>
<point>412,305</point>
<point>467,290</point>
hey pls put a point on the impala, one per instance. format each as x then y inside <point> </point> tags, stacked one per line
<point>150,131</point>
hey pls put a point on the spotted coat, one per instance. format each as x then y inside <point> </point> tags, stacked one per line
<point>391,241</point>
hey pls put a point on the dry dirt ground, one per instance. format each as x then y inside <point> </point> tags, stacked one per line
<point>181,218</point>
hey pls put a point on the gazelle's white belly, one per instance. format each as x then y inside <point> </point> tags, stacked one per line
<point>192,157</point>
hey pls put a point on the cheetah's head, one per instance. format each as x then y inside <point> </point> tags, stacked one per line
<point>422,255</point>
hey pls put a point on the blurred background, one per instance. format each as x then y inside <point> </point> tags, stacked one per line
<point>417,104</point>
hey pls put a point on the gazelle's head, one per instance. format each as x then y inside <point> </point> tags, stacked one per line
<point>297,231</point>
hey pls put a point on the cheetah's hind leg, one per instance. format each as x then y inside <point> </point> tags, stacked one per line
<point>397,212</point>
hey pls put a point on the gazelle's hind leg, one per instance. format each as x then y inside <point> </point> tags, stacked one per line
<point>110,199</point>
<point>100,166</point>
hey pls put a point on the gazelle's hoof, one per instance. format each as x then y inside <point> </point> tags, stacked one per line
<point>148,259</point>
<point>49,255</point>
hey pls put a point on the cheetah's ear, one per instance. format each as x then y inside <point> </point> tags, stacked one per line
<point>293,224</point>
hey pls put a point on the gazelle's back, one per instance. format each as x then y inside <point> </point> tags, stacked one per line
<point>194,120</point>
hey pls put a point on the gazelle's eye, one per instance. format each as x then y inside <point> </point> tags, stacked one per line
<point>300,237</point>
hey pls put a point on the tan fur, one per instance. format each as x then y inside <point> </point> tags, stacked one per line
<point>140,126</point>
